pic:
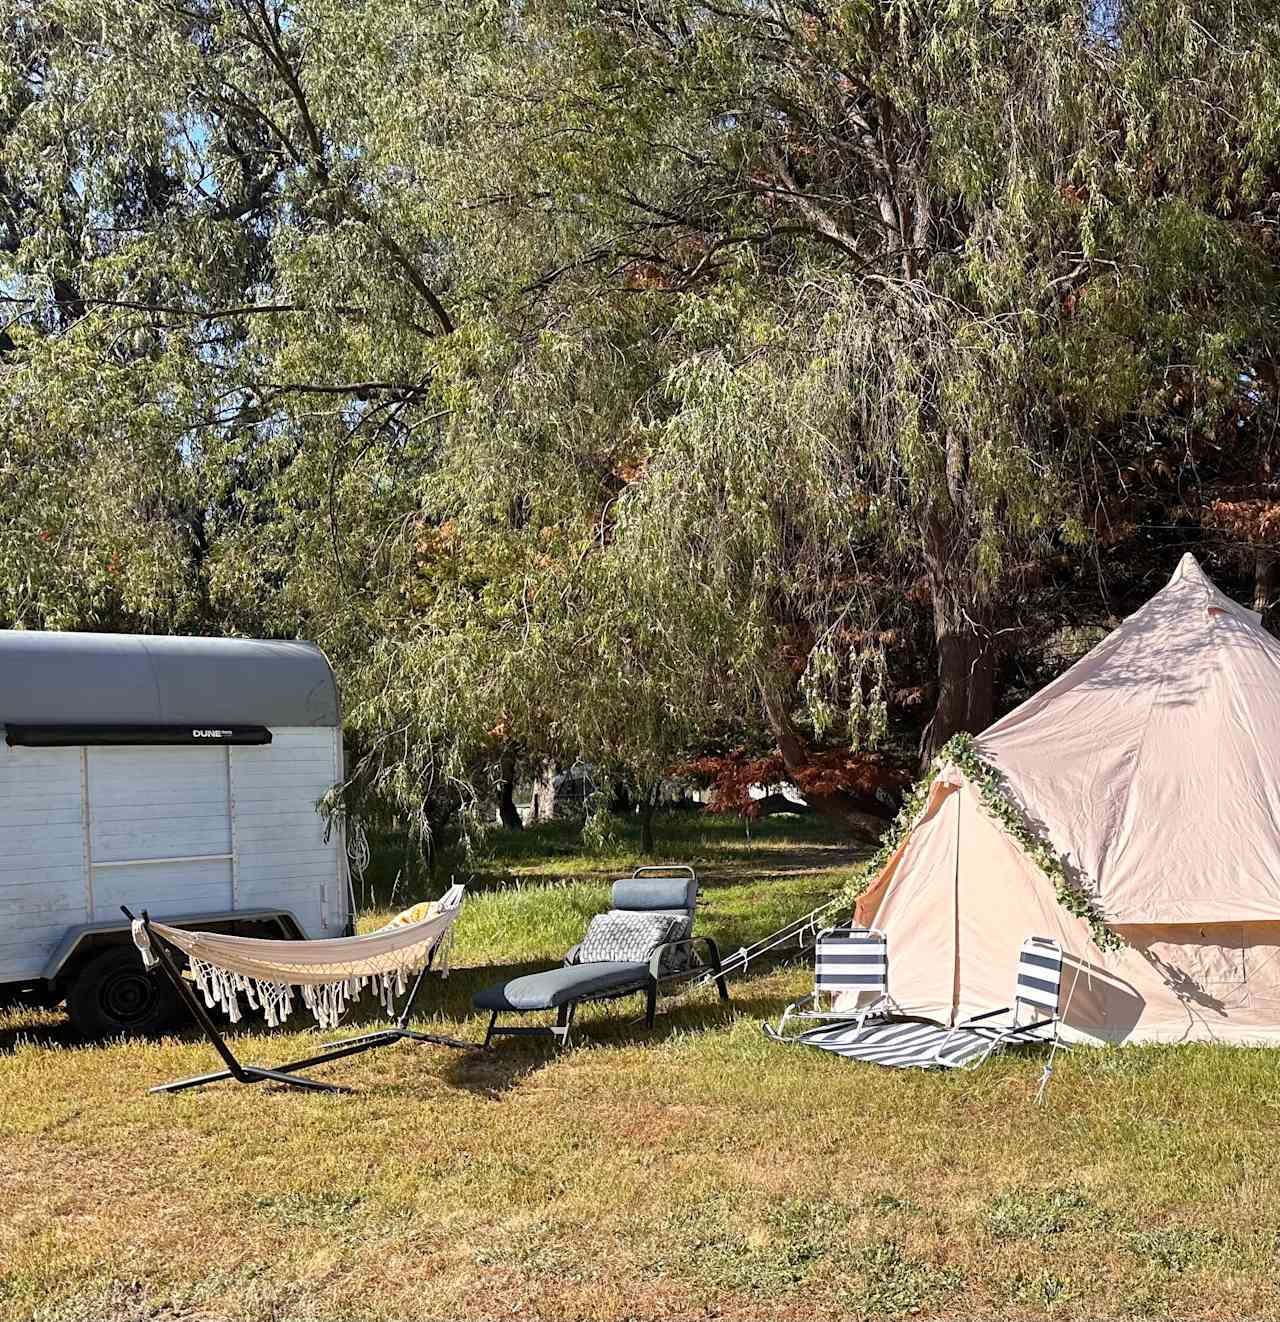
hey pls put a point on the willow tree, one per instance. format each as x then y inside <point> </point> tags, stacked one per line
<point>261,320</point>
<point>597,379</point>
<point>927,273</point>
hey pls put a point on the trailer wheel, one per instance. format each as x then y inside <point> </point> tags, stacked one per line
<point>113,995</point>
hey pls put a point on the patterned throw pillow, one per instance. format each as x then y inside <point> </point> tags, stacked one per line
<point>626,937</point>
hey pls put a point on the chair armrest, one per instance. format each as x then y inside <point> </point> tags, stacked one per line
<point>1019,1030</point>
<point>571,956</point>
<point>655,958</point>
<point>978,1018</point>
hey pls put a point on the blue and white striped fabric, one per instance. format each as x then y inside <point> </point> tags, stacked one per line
<point>899,1044</point>
<point>851,959</point>
<point>1039,975</point>
<point>1033,1017</point>
<point>848,961</point>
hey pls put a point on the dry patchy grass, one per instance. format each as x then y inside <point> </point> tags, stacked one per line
<point>696,1173</point>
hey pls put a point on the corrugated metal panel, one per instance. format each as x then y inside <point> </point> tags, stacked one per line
<point>42,881</point>
<point>159,804</point>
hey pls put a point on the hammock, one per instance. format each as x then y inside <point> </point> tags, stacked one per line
<point>330,973</point>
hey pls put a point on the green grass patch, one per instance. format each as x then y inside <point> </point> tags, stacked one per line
<point>1034,1215</point>
<point>695,1172</point>
<point>895,1283</point>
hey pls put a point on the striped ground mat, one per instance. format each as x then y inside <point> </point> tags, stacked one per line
<point>898,1043</point>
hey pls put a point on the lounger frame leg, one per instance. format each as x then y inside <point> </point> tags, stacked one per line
<point>713,953</point>
<point>286,1073</point>
<point>564,1023</point>
<point>560,1030</point>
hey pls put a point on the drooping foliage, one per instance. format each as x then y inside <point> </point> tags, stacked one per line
<point>631,381</point>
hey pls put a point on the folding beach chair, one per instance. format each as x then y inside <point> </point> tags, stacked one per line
<point>847,960</point>
<point>1036,993</point>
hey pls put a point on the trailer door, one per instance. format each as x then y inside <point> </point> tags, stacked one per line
<point>159,829</point>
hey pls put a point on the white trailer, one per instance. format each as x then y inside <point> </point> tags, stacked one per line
<point>177,775</point>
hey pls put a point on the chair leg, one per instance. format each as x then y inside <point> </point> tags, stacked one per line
<point>488,1037</point>
<point>650,1003</point>
<point>564,1023</point>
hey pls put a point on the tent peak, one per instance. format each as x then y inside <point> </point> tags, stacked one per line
<point>1190,574</point>
<point>1189,569</point>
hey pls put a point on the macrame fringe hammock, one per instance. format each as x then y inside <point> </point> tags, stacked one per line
<point>327,974</point>
<point>327,1001</point>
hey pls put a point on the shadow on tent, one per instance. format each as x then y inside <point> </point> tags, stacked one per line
<point>1095,1001</point>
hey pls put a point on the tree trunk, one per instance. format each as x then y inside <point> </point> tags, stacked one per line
<point>966,677</point>
<point>776,803</point>
<point>544,795</point>
<point>620,801</point>
<point>1266,587</point>
<point>866,817</point>
<point>508,813</point>
<point>647,805</point>
<point>962,628</point>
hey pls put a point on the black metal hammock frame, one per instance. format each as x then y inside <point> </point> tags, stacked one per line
<point>287,1073</point>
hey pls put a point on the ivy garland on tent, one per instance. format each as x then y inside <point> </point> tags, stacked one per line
<point>961,752</point>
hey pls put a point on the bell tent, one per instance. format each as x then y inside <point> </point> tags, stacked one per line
<point>1149,775</point>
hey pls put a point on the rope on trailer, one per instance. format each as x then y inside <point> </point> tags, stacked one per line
<point>355,855</point>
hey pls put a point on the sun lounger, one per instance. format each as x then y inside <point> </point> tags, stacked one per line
<point>644,943</point>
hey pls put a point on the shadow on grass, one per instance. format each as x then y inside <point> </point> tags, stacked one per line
<point>447,999</point>
<point>484,1073</point>
<point>511,1061</point>
<point>444,1006</point>
<point>45,1028</point>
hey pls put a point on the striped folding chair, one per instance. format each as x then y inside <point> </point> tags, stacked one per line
<point>846,959</point>
<point>1035,995</point>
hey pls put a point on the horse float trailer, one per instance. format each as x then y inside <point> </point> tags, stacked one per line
<point>178,775</point>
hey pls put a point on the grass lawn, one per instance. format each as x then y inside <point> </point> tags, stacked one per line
<point>697,1172</point>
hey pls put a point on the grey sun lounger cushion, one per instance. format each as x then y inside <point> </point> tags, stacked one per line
<point>656,894</point>
<point>546,991</point>
<point>674,897</point>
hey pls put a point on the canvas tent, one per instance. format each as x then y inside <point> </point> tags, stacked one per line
<point>1153,768</point>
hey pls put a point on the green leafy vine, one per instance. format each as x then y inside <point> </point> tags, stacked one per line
<point>961,751</point>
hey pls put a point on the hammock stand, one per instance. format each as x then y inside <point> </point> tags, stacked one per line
<point>286,1073</point>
